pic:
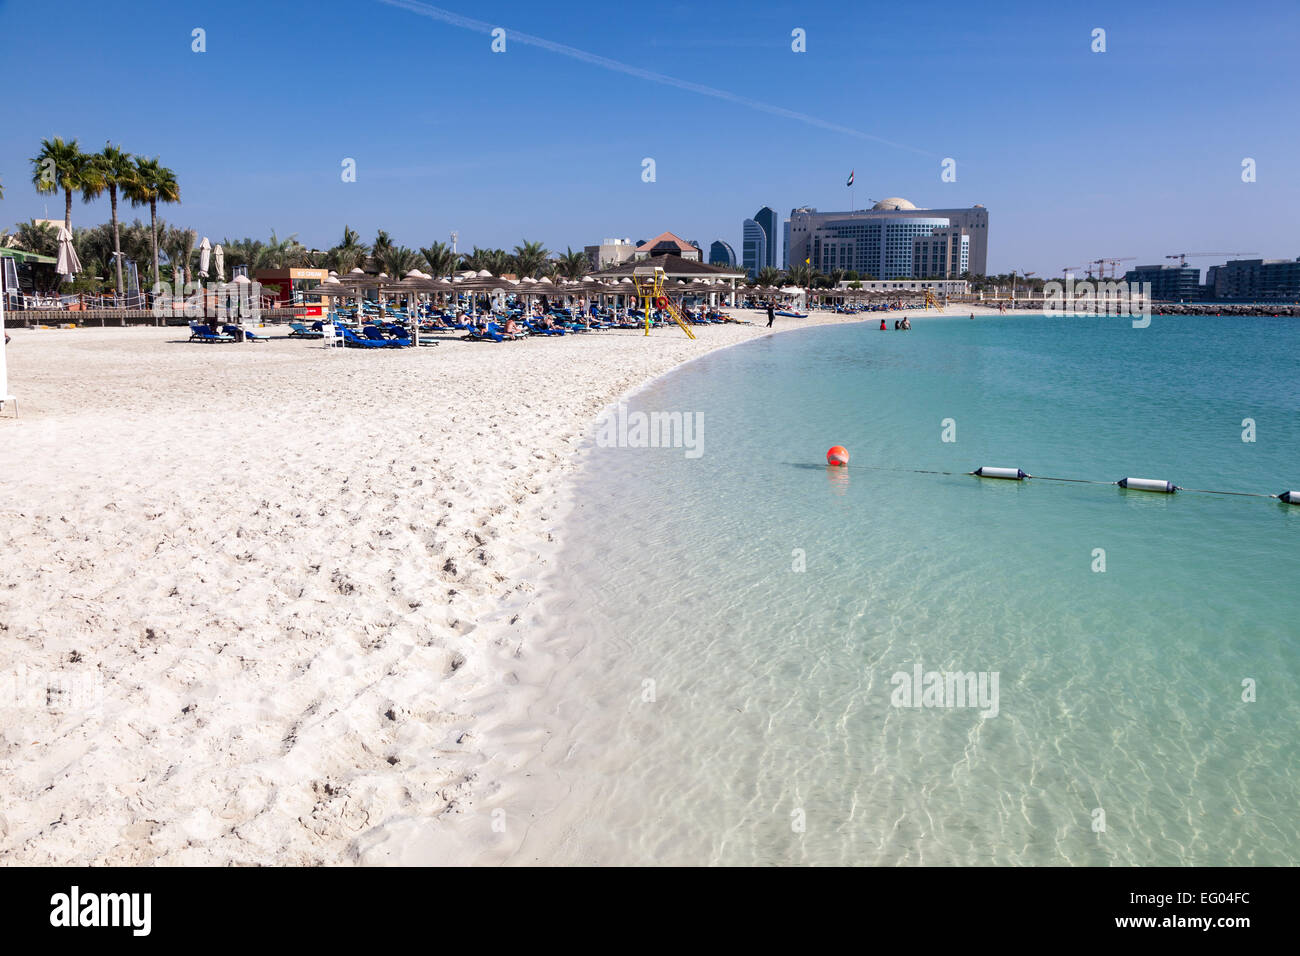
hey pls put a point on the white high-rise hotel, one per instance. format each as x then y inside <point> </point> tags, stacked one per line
<point>893,239</point>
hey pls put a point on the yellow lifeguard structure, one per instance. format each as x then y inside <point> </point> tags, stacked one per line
<point>649,282</point>
<point>930,300</point>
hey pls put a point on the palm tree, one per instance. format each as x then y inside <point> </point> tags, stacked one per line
<point>152,183</point>
<point>278,253</point>
<point>95,250</point>
<point>495,261</point>
<point>37,237</point>
<point>529,258</point>
<point>768,275</point>
<point>383,242</point>
<point>802,275</point>
<point>399,260</point>
<point>135,242</point>
<point>61,165</point>
<point>442,261</point>
<point>242,252</point>
<point>573,265</point>
<point>179,246</point>
<point>349,254</point>
<point>116,170</point>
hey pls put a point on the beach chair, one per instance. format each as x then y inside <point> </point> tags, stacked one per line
<point>301,331</point>
<point>352,340</point>
<point>330,336</point>
<point>373,334</point>
<point>201,333</point>
<point>236,332</point>
<point>488,334</point>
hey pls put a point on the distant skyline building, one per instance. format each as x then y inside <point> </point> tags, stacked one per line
<point>767,218</point>
<point>785,246</point>
<point>668,244</point>
<point>1254,279</point>
<point>880,241</point>
<point>1169,283</point>
<point>753,247</point>
<point>610,252</point>
<point>721,254</point>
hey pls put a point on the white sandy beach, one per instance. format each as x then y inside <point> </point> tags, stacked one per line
<point>301,580</point>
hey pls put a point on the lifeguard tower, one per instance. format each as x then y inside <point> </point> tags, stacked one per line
<point>648,280</point>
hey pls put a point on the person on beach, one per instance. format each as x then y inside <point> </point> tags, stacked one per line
<point>897,325</point>
<point>907,323</point>
<point>771,315</point>
<point>883,328</point>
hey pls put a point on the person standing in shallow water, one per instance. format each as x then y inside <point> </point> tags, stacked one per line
<point>771,315</point>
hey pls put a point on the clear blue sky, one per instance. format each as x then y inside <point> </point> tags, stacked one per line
<point>1133,152</point>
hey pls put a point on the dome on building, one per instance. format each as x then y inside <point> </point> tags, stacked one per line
<point>893,202</point>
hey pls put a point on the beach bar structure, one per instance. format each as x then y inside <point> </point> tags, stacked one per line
<point>289,287</point>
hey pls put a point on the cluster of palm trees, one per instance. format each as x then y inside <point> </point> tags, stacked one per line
<point>384,255</point>
<point>61,166</point>
<point>142,181</point>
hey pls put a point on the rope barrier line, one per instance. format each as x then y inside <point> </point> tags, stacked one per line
<point>1240,494</point>
<point>1079,481</point>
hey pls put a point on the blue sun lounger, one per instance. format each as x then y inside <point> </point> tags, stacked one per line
<point>373,334</point>
<point>249,336</point>
<point>352,340</point>
<point>201,333</point>
<point>301,331</point>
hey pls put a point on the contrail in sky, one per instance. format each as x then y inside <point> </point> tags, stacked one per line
<point>513,36</point>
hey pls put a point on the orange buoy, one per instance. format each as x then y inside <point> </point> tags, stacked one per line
<point>837,455</point>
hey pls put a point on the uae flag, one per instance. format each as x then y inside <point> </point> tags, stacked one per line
<point>850,182</point>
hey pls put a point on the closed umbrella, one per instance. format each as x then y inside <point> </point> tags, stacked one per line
<point>68,265</point>
<point>219,259</point>
<point>205,253</point>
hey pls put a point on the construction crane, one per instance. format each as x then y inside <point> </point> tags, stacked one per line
<point>1101,266</point>
<point>1114,265</point>
<point>1065,273</point>
<point>1182,257</point>
<point>1013,282</point>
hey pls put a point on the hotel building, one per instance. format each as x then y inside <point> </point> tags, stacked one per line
<point>881,241</point>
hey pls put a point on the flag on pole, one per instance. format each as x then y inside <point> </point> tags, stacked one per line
<point>850,182</point>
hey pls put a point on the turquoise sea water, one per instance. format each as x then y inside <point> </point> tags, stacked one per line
<point>726,708</point>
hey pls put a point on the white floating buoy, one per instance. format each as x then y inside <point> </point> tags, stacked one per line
<point>1147,484</point>
<point>1290,497</point>
<point>1015,474</point>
